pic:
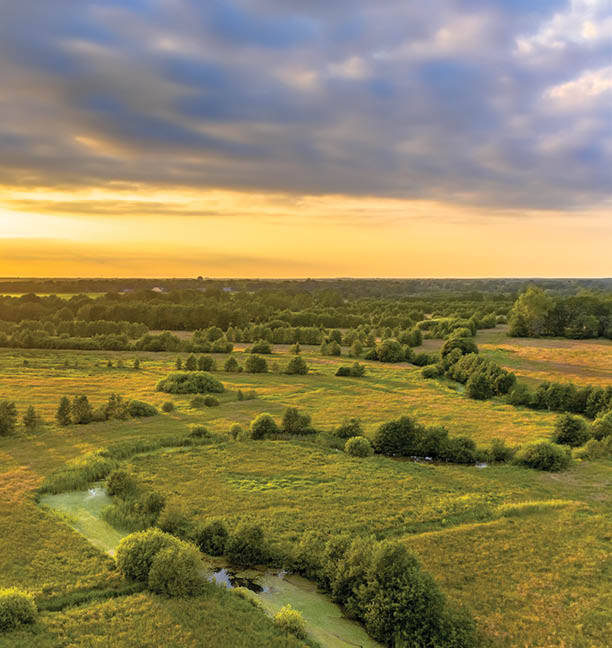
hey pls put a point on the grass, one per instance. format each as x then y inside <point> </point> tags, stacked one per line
<point>528,552</point>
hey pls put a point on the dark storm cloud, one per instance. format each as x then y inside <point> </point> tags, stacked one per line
<point>502,102</point>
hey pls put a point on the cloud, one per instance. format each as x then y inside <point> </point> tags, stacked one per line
<point>454,100</point>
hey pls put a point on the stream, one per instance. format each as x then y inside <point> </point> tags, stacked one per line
<point>325,622</point>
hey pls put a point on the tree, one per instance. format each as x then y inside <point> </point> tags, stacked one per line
<point>178,364</point>
<point>212,537</point>
<point>247,547</point>
<point>570,430</point>
<point>256,364</point>
<point>479,386</point>
<point>390,350</point>
<point>136,363</point>
<point>358,446</point>
<point>81,410</point>
<point>191,364</point>
<point>349,428</point>
<point>231,365</point>
<point>8,417</point>
<point>356,349</point>
<point>530,312</point>
<point>399,438</point>
<point>263,425</point>
<point>296,423</point>
<point>296,366</point>
<point>62,416</point>
<point>30,420</point>
<point>176,571</point>
<point>136,551</point>
<point>295,349</point>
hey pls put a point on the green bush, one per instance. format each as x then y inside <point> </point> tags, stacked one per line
<point>595,449</point>
<point>196,402</point>
<point>135,552</point>
<point>349,428</point>
<point>168,407</point>
<point>256,364</point>
<point>191,382</point>
<point>297,366</point>
<point>295,423</point>
<point>174,519</point>
<point>198,431</point>
<point>291,621</point>
<point>431,371</point>
<point>479,386</point>
<point>211,538</point>
<point>247,547</point>
<point>211,401</point>
<point>390,350</point>
<point>139,409</point>
<point>231,365</point>
<point>206,363</point>
<point>261,346</point>
<point>358,446</point>
<point>236,430</point>
<point>176,571</point>
<point>544,456</point>
<point>120,483</point>
<point>570,430</point>
<point>520,395</point>
<point>602,426</point>
<point>16,608</point>
<point>263,425</point>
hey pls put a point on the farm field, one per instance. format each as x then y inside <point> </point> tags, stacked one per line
<point>535,574</point>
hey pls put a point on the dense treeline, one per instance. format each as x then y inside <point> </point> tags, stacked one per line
<point>584,315</point>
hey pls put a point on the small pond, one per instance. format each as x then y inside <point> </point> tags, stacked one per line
<point>325,623</point>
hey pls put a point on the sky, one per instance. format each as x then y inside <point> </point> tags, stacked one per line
<point>284,138</point>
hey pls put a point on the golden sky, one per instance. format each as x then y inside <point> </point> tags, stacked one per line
<point>152,232</point>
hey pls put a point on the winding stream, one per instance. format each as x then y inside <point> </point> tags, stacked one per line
<point>82,510</point>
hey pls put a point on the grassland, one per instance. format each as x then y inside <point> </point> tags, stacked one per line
<point>535,575</point>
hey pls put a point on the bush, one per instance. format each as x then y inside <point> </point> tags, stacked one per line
<point>256,364</point>
<point>62,416</point>
<point>174,519</point>
<point>500,452</point>
<point>250,394</point>
<point>247,547</point>
<point>168,407</point>
<point>398,438</point>
<point>139,409</point>
<point>16,608</point>
<point>479,386</point>
<point>120,483</point>
<point>544,456</point>
<point>356,370</point>
<point>291,621</point>
<point>349,428</point>
<point>431,371</point>
<point>520,395</point>
<point>81,410</point>
<point>211,538</point>
<point>595,449</point>
<point>206,363</point>
<point>31,420</point>
<point>135,552</point>
<point>192,382</point>
<point>176,571</point>
<point>231,365</point>
<point>602,426</point>
<point>465,345</point>
<point>570,430</point>
<point>263,425</point>
<point>358,446</point>
<point>297,366</point>
<point>211,401</point>
<point>461,450</point>
<point>261,346</point>
<point>390,350</point>
<point>343,372</point>
<point>295,423</point>
<point>198,432</point>
<point>197,402</point>
<point>236,430</point>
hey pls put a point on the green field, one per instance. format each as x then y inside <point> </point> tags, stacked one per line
<point>527,552</point>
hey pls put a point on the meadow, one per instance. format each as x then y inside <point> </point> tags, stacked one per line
<point>527,552</point>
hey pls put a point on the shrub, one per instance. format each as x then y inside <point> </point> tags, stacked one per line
<point>198,432</point>
<point>31,420</point>
<point>595,449</point>
<point>115,408</point>
<point>16,608</point>
<point>358,446</point>
<point>398,438</point>
<point>461,450</point>
<point>500,452</point>
<point>211,538</point>
<point>356,370</point>
<point>176,571</point>
<point>390,350</point>
<point>120,483</point>
<point>295,423</point>
<point>211,401</point>
<point>206,363</point>
<point>479,386</point>
<point>197,402</point>
<point>263,425</point>
<point>138,409</point>
<point>261,346</point>
<point>174,519</point>
<point>520,395</point>
<point>349,428</point>
<point>247,547</point>
<point>465,345</point>
<point>570,430</point>
<point>135,552</point>
<point>295,349</point>
<point>297,366</point>
<point>191,364</point>
<point>236,431</point>
<point>250,394</point>
<point>256,364</point>
<point>602,426</point>
<point>343,371</point>
<point>168,407</point>
<point>192,382</point>
<point>291,621</point>
<point>423,359</point>
<point>231,365</point>
<point>544,456</point>
<point>81,410</point>
<point>431,371</point>
<point>62,416</point>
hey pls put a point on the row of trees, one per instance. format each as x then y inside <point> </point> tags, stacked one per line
<point>9,417</point>
<point>79,410</point>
